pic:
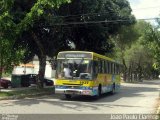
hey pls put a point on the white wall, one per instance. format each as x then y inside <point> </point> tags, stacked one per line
<point>22,70</point>
<point>49,73</point>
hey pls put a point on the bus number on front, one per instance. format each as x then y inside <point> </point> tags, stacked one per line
<point>84,82</point>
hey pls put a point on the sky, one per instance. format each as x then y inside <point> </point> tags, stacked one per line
<point>143,9</point>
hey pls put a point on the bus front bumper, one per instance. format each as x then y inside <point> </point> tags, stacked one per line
<point>74,92</point>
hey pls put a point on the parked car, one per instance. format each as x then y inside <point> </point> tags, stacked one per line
<point>33,77</point>
<point>48,82</point>
<point>4,83</point>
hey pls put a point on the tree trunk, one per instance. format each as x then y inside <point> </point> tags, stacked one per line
<point>41,74</point>
<point>1,71</point>
<point>1,61</point>
<point>129,73</point>
<point>125,70</point>
<point>140,74</point>
<point>1,66</point>
<point>42,61</point>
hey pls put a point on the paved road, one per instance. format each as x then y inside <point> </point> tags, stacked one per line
<point>132,99</point>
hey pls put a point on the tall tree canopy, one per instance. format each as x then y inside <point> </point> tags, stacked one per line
<point>152,42</point>
<point>18,18</point>
<point>89,23</point>
<point>40,27</point>
<point>136,47</point>
<point>8,57</point>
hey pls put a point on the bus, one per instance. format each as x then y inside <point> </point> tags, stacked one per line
<point>86,73</point>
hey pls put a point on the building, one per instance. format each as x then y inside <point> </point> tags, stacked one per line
<point>33,68</point>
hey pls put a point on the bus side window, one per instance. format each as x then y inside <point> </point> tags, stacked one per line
<point>103,67</point>
<point>99,66</point>
<point>95,68</point>
<point>113,68</point>
<point>107,67</point>
<point>116,68</point>
<point>118,71</point>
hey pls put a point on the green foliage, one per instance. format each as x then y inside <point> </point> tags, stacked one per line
<point>134,50</point>
<point>14,20</point>
<point>150,39</point>
<point>142,59</point>
<point>94,37</point>
<point>126,36</point>
<point>29,27</point>
<point>7,37</point>
<point>36,11</point>
<point>8,57</point>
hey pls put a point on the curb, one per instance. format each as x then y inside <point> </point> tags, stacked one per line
<point>24,96</point>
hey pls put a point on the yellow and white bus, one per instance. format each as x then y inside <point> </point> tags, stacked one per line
<point>86,73</point>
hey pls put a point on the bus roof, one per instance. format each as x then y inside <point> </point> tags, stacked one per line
<point>93,54</point>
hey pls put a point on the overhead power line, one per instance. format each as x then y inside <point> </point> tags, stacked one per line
<point>90,22</point>
<point>101,13</point>
<point>96,22</point>
<point>153,7</point>
<point>85,14</point>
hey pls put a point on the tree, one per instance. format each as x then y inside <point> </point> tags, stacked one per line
<point>152,42</point>
<point>131,48</point>
<point>149,39</point>
<point>48,31</point>
<point>28,13</point>
<point>139,62</point>
<point>83,26</point>
<point>8,57</point>
<point>38,30</point>
<point>126,36</point>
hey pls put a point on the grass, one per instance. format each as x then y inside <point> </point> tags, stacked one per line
<point>6,74</point>
<point>27,92</point>
<point>6,94</point>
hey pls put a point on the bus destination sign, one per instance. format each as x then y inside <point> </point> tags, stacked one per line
<point>74,55</point>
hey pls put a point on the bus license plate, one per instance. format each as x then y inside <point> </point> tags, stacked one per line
<point>71,92</point>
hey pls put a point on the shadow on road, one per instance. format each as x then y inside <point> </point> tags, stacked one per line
<point>79,102</point>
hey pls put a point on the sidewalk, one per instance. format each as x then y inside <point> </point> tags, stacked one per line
<point>20,93</point>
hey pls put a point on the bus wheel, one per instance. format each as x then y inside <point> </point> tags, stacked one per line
<point>113,89</point>
<point>99,93</point>
<point>99,90</point>
<point>68,96</point>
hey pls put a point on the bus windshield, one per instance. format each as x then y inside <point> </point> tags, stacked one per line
<point>74,69</point>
